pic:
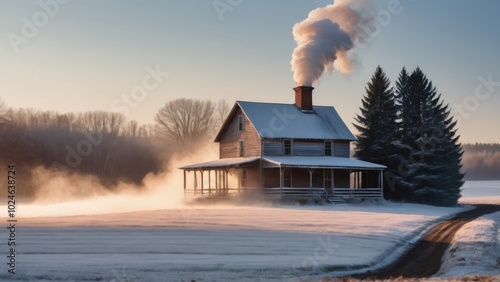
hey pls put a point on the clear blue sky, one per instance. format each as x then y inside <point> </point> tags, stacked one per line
<point>87,54</point>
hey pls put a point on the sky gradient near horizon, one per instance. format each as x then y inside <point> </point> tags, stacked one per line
<point>86,55</point>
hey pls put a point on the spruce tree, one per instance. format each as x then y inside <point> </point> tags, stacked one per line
<point>377,127</point>
<point>395,177</point>
<point>430,155</point>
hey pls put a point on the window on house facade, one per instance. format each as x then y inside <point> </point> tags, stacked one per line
<point>287,177</point>
<point>287,147</point>
<point>241,123</point>
<point>242,148</point>
<point>328,148</point>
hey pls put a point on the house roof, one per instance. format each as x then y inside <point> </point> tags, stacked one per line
<point>320,162</point>
<point>228,162</point>
<point>274,120</point>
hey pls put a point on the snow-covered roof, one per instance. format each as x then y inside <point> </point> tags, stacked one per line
<point>228,162</point>
<point>274,120</point>
<point>323,162</point>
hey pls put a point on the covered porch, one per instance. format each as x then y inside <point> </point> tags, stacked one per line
<point>221,176</point>
<point>331,178</point>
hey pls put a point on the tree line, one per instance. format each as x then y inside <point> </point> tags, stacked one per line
<point>410,129</point>
<point>103,144</point>
<point>482,161</point>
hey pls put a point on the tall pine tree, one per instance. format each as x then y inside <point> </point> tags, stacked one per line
<point>377,127</point>
<point>430,155</point>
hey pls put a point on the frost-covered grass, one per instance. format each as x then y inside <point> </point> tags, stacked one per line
<point>218,242</point>
<point>475,249</point>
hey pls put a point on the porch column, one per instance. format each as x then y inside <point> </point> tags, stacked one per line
<point>333,182</point>
<point>209,183</point>
<point>184,172</point>
<point>216,183</point>
<point>201,174</point>
<point>381,182</point>
<point>239,179</point>
<point>227,181</point>
<point>281,177</point>
<point>311,179</point>
<point>195,182</point>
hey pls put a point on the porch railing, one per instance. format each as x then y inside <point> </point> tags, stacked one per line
<point>358,192</point>
<point>297,193</point>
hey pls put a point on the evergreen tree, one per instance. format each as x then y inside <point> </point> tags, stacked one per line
<point>412,132</point>
<point>430,159</point>
<point>377,127</point>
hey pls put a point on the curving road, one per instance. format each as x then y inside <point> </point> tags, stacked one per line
<point>424,258</point>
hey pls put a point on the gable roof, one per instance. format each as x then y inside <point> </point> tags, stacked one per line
<point>274,120</point>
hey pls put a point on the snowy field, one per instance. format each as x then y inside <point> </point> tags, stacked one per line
<point>224,243</point>
<point>475,249</point>
<point>476,192</point>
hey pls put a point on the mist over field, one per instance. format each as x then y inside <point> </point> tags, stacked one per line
<point>97,162</point>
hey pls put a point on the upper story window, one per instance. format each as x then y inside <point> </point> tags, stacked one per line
<point>242,148</point>
<point>241,123</point>
<point>287,147</point>
<point>328,148</point>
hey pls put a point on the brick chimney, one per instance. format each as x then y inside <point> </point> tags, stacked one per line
<point>303,97</point>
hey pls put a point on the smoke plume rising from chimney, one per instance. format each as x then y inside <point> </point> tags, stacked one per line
<point>325,37</point>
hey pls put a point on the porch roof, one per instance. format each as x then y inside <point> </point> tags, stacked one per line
<point>321,162</point>
<point>228,162</point>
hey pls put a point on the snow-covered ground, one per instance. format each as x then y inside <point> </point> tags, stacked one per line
<point>475,249</point>
<point>477,192</point>
<point>218,243</point>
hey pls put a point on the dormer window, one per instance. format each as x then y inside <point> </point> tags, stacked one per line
<point>287,147</point>
<point>241,123</point>
<point>328,148</point>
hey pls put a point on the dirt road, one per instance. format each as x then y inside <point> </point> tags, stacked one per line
<point>424,259</point>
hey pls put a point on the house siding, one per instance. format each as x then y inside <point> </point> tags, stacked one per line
<point>271,177</point>
<point>272,147</point>
<point>253,180</point>
<point>299,148</point>
<point>309,148</point>
<point>229,142</point>
<point>341,149</point>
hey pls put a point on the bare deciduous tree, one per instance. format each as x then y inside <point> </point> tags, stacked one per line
<point>130,129</point>
<point>100,121</point>
<point>4,114</point>
<point>186,122</point>
<point>222,112</point>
